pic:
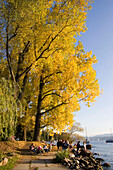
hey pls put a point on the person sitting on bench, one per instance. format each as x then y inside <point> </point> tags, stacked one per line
<point>32,148</point>
<point>45,148</point>
<point>40,149</point>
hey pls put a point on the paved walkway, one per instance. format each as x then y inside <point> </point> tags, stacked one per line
<point>39,162</point>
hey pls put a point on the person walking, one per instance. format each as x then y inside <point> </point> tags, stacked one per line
<point>84,144</point>
<point>78,146</point>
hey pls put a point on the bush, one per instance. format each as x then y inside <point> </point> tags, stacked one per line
<point>11,162</point>
<point>1,156</point>
<point>62,155</point>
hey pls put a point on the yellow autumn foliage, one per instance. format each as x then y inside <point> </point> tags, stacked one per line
<point>54,75</point>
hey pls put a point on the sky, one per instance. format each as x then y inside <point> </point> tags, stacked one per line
<point>98,119</point>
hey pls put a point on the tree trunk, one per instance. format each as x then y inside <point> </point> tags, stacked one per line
<point>38,115</point>
<point>37,128</point>
<point>21,94</point>
<point>25,133</point>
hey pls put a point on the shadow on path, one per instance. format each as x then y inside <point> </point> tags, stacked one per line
<point>26,152</point>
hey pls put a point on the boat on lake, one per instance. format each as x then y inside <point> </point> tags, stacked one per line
<point>111,138</point>
<point>109,141</point>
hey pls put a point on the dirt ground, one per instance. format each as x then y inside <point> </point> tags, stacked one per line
<point>17,146</point>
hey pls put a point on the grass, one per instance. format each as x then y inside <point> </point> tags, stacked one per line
<point>11,162</point>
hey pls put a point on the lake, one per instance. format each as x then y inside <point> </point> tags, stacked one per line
<point>105,150</point>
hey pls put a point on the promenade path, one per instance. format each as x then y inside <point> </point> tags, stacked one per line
<point>39,162</point>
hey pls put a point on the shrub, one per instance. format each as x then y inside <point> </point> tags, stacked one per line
<point>1,156</point>
<point>62,155</point>
<point>11,162</point>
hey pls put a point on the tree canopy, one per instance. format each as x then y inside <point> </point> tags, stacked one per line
<point>39,53</point>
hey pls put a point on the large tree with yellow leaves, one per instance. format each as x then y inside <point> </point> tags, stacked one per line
<point>38,51</point>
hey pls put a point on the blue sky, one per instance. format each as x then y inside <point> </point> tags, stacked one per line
<point>98,119</point>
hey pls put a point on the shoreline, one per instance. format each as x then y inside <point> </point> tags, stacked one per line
<point>85,160</point>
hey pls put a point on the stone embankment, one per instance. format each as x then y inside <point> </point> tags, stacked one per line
<point>85,160</point>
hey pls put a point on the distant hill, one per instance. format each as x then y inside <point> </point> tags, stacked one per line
<point>101,136</point>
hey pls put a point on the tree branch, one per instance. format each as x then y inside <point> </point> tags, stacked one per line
<point>15,33</point>
<point>44,43</point>
<point>40,56</point>
<point>83,98</point>
<point>52,74</point>
<point>44,126</point>
<point>52,53</point>
<point>20,96</point>
<point>7,51</point>
<point>54,107</point>
<point>21,59</point>
<point>51,94</point>
<point>48,91</point>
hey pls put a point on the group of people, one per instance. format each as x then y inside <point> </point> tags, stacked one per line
<point>66,145</point>
<point>78,146</point>
<point>40,149</point>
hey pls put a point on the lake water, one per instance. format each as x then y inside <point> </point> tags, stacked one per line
<point>105,150</point>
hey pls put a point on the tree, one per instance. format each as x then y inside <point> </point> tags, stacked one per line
<point>62,85</point>
<point>75,128</point>
<point>8,109</point>
<point>38,46</point>
<point>72,131</point>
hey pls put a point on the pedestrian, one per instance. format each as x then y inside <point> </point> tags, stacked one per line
<point>50,146</point>
<point>59,143</point>
<point>84,145</point>
<point>71,145</point>
<point>65,145</point>
<point>78,146</point>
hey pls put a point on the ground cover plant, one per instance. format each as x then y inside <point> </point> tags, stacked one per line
<point>61,155</point>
